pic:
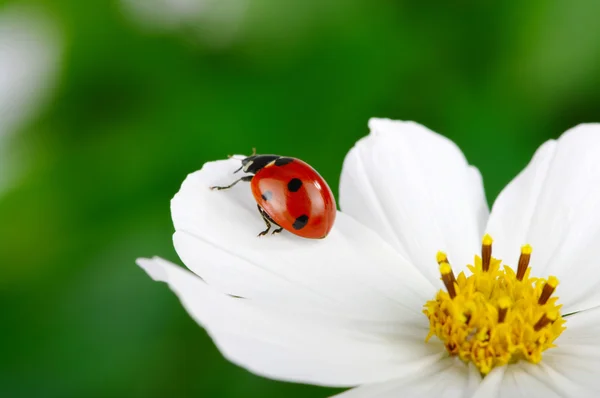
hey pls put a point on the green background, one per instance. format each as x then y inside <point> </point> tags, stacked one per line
<point>137,109</point>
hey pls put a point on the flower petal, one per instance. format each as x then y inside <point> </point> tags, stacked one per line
<point>416,189</point>
<point>292,345</point>
<point>351,272</point>
<point>448,378</point>
<point>575,362</point>
<point>553,205</point>
<point>515,381</point>
<point>569,370</point>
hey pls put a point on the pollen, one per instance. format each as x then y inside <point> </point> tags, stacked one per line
<point>496,315</point>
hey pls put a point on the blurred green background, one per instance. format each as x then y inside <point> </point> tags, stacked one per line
<point>146,91</point>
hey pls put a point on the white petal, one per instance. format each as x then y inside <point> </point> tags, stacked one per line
<point>575,362</point>
<point>292,345</point>
<point>416,189</point>
<point>553,205</point>
<point>351,272</point>
<point>29,59</point>
<point>30,51</point>
<point>514,381</point>
<point>447,378</point>
<point>569,370</point>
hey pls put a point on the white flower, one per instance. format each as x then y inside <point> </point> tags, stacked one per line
<point>29,61</point>
<point>347,310</point>
<point>216,22</point>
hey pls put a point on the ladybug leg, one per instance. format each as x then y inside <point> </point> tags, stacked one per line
<point>278,230</point>
<point>245,178</point>
<point>266,220</point>
<point>269,222</point>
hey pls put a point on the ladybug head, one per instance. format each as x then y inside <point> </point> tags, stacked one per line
<point>253,164</point>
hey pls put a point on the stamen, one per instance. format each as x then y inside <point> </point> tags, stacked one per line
<point>486,252</point>
<point>545,320</point>
<point>523,261</point>
<point>548,289</point>
<point>503,305</point>
<point>497,315</point>
<point>441,258</point>
<point>448,278</point>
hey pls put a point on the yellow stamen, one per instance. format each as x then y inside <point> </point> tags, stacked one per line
<point>523,261</point>
<point>545,320</point>
<point>503,306</point>
<point>487,240</point>
<point>486,252</point>
<point>441,258</point>
<point>495,316</point>
<point>448,279</point>
<point>548,289</point>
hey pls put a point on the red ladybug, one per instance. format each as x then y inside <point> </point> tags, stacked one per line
<point>289,194</point>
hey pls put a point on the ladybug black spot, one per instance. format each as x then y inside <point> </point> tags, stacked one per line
<point>283,161</point>
<point>300,222</point>
<point>294,184</point>
<point>267,195</point>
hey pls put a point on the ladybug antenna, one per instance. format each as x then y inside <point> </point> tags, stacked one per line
<point>242,158</point>
<point>237,157</point>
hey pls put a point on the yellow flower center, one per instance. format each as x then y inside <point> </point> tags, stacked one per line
<point>495,316</point>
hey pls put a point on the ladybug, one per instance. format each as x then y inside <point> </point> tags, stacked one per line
<point>289,194</point>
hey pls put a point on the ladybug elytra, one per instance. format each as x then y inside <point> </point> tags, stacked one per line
<point>289,194</point>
